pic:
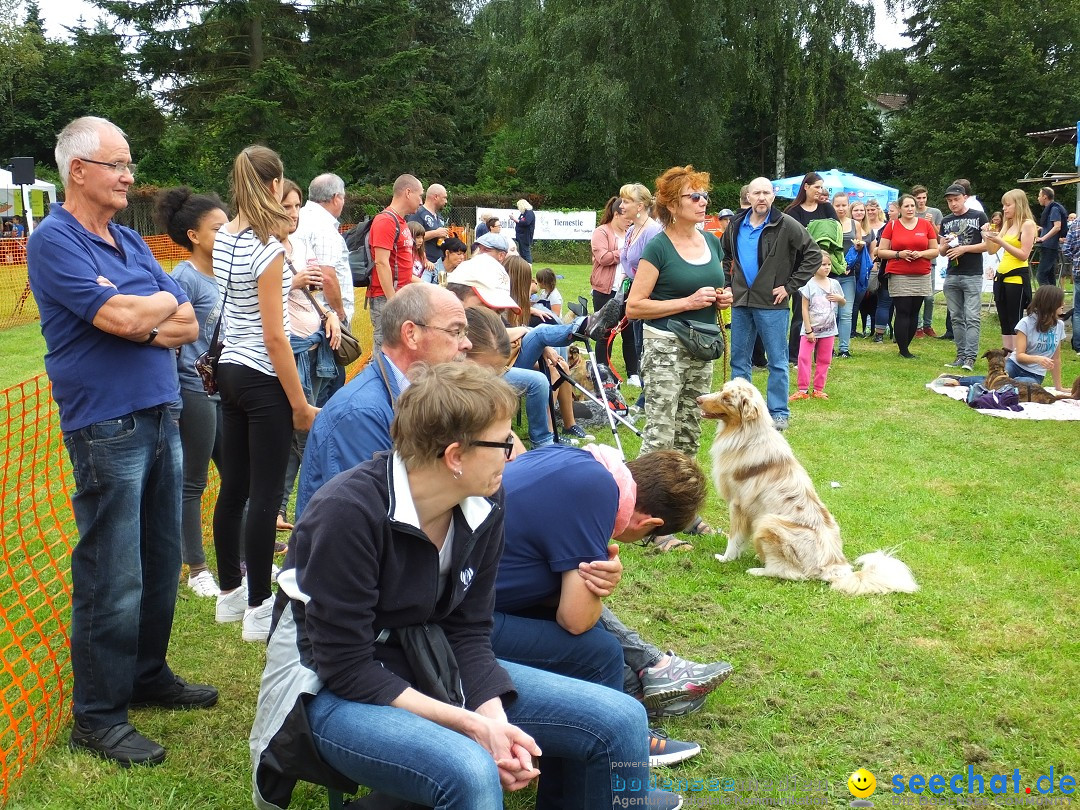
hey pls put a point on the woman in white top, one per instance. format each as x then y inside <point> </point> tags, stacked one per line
<point>262,398</point>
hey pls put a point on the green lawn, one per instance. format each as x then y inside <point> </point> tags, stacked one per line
<point>980,667</point>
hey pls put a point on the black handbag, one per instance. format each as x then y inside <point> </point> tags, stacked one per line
<point>206,363</point>
<point>705,341</point>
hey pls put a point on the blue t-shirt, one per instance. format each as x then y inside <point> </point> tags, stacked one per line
<point>96,375</point>
<point>205,298</point>
<point>747,241</point>
<point>560,511</point>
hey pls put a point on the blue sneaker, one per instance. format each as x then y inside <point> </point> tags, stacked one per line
<point>665,751</point>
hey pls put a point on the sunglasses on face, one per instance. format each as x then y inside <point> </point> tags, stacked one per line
<point>697,196</point>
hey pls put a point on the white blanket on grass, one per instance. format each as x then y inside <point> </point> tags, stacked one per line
<point>1064,410</point>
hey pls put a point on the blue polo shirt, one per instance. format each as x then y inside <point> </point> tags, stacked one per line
<point>96,375</point>
<point>560,511</point>
<point>747,242</point>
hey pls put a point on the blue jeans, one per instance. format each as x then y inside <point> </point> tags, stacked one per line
<point>600,734</point>
<point>963,296</point>
<point>536,388</point>
<point>847,286</point>
<point>884,306</point>
<point>594,656</point>
<point>532,345</point>
<point>125,567</point>
<point>1021,374</point>
<point>772,324</point>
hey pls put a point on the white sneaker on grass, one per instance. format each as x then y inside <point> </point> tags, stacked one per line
<point>231,606</point>
<point>203,584</point>
<point>257,621</point>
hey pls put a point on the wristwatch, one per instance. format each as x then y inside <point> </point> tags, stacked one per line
<point>152,338</point>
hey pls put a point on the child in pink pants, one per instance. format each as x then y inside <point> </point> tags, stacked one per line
<point>821,299</point>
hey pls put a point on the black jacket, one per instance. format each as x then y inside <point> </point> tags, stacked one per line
<point>787,257</point>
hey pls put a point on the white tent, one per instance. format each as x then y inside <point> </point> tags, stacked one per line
<point>9,193</point>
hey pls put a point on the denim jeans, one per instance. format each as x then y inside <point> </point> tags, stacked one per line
<point>256,436</point>
<point>1021,374</point>
<point>532,345</point>
<point>200,438</point>
<point>539,641</point>
<point>536,388</point>
<point>772,324</point>
<point>843,323</point>
<point>126,564</point>
<point>963,296</point>
<point>883,315</point>
<point>1048,266</point>
<point>599,734</point>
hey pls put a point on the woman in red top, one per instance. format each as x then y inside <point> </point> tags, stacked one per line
<point>908,245</point>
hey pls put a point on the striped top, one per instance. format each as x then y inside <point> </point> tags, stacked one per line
<point>248,258</point>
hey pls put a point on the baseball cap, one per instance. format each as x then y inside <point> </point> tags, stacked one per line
<point>488,279</point>
<point>725,213</point>
<point>956,190</point>
<point>493,241</point>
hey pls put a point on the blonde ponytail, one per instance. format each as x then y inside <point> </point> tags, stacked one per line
<point>254,170</point>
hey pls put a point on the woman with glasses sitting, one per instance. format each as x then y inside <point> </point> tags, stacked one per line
<point>379,669</point>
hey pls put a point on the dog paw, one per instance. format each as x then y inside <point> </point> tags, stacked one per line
<point>722,558</point>
<point>756,572</point>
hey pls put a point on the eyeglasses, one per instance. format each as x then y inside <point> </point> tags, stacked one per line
<point>460,332</point>
<point>507,446</point>
<point>119,166</point>
<point>697,196</point>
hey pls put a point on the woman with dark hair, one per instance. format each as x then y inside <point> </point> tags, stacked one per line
<point>192,221</point>
<point>809,204</point>
<point>392,566</point>
<point>909,247</point>
<point>606,250</point>
<point>1038,338</point>
<point>262,397</point>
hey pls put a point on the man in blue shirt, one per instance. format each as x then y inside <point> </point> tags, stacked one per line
<point>422,323</point>
<point>1053,227</point>
<point>771,256</point>
<point>112,319</point>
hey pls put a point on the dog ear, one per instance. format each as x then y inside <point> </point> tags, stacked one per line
<point>749,409</point>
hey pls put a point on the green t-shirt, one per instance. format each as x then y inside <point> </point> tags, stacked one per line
<point>679,278</point>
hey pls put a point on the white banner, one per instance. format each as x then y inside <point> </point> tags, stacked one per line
<point>549,224</point>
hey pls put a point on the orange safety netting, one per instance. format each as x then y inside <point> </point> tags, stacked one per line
<point>35,578</point>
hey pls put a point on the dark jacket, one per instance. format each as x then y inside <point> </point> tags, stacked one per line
<point>787,257</point>
<point>357,565</point>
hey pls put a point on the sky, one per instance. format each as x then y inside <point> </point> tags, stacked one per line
<point>58,13</point>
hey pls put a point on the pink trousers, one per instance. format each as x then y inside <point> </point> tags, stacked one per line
<point>820,350</point>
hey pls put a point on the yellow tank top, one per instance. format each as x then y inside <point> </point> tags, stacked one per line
<point>1010,262</point>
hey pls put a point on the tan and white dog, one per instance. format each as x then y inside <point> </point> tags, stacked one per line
<point>773,503</point>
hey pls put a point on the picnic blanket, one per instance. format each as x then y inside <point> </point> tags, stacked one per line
<point>1064,410</point>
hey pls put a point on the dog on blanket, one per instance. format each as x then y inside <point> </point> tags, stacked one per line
<point>1029,391</point>
<point>773,503</point>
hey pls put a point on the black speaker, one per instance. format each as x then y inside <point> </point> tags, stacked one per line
<point>22,171</point>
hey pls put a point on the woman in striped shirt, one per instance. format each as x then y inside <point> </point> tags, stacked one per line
<point>262,397</point>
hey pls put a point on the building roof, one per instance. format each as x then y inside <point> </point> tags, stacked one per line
<point>890,102</point>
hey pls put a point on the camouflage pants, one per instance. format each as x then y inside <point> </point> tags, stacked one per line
<point>674,381</point>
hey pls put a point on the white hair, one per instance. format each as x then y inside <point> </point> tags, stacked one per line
<point>523,206</point>
<point>325,187</point>
<point>80,139</point>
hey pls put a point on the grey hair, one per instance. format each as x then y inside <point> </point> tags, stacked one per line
<point>325,187</point>
<point>413,303</point>
<point>80,139</point>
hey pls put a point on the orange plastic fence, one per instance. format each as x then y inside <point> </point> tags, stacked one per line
<point>35,580</point>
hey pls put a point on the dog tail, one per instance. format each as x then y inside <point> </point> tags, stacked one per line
<point>881,572</point>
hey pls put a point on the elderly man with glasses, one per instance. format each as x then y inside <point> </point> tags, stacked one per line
<point>423,323</point>
<point>112,320</point>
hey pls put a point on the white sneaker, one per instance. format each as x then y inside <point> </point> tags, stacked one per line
<point>203,584</point>
<point>231,606</point>
<point>634,380</point>
<point>257,621</point>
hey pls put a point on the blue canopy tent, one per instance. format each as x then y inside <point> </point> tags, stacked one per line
<point>836,181</point>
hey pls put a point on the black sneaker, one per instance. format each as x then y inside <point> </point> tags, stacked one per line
<point>121,744</point>
<point>879,338</point>
<point>181,695</point>
<point>845,354</point>
<point>946,336</point>
<point>603,320</point>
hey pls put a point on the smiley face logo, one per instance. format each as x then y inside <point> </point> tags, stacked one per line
<point>862,784</point>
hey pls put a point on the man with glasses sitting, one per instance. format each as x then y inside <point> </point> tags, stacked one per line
<point>422,323</point>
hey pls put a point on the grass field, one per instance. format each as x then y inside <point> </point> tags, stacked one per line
<point>979,668</point>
